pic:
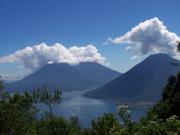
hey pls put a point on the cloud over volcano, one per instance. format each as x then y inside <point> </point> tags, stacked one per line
<point>149,37</point>
<point>36,56</point>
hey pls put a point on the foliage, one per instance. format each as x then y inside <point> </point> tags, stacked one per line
<point>53,126</point>
<point>75,125</point>
<point>15,113</point>
<point>178,46</point>
<point>105,124</point>
<point>19,116</point>
<point>19,112</point>
<point>170,103</point>
<point>1,84</point>
<point>124,113</point>
<point>47,97</point>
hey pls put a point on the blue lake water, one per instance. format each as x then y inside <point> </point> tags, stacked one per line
<point>86,109</point>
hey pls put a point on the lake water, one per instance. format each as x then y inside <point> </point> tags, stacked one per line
<point>86,109</point>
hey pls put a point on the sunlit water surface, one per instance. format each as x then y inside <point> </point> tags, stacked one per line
<point>86,109</point>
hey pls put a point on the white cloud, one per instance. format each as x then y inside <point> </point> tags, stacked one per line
<point>149,37</point>
<point>37,56</point>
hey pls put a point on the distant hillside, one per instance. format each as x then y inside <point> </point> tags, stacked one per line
<point>143,82</point>
<point>66,77</point>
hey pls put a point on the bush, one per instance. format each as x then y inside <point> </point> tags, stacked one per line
<point>105,124</point>
<point>53,126</point>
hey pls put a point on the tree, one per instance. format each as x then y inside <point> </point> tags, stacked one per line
<point>50,98</point>
<point>151,127</point>
<point>168,88</point>
<point>169,105</point>
<point>53,126</point>
<point>105,124</point>
<point>15,112</point>
<point>74,126</point>
<point>178,46</point>
<point>1,84</point>
<point>124,114</point>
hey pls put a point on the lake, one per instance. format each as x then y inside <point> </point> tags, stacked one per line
<point>86,109</point>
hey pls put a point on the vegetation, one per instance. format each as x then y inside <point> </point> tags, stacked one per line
<point>19,115</point>
<point>170,103</point>
<point>1,84</point>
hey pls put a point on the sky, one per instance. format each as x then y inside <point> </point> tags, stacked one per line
<point>86,30</point>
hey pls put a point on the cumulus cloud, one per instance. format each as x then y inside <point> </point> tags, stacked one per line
<point>149,37</point>
<point>42,54</point>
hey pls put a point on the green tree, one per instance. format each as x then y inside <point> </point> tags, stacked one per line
<point>173,125</point>
<point>124,114</point>
<point>74,126</point>
<point>18,115</point>
<point>105,125</point>
<point>15,111</point>
<point>53,126</point>
<point>170,102</point>
<point>128,126</point>
<point>178,46</point>
<point>50,98</point>
<point>1,84</point>
<point>151,127</point>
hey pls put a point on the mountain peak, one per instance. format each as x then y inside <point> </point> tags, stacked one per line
<point>160,55</point>
<point>66,77</point>
<point>144,81</point>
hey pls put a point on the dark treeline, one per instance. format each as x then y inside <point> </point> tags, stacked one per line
<point>19,115</point>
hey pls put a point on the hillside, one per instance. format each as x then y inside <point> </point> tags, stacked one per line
<point>66,77</point>
<point>143,82</point>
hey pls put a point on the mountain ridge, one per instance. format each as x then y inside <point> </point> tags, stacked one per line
<point>65,77</point>
<point>143,81</point>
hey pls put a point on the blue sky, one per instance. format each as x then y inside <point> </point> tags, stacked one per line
<point>78,22</point>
